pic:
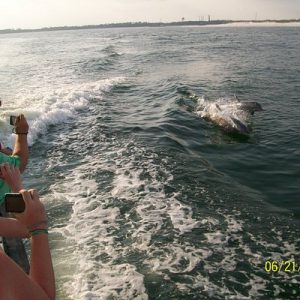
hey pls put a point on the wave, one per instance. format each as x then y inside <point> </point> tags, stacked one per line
<point>54,107</point>
<point>108,225</point>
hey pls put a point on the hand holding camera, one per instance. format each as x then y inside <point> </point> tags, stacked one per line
<point>20,124</point>
<point>26,205</point>
<point>34,216</point>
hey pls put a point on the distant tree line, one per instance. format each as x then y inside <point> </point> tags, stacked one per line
<point>143,24</point>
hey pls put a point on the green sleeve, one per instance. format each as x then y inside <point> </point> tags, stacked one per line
<point>11,160</point>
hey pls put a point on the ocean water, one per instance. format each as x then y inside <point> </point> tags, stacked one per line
<point>147,200</point>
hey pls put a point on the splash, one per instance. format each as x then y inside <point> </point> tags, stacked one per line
<point>45,108</point>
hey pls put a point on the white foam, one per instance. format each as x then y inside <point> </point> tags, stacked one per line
<point>156,228</point>
<point>257,286</point>
<point>89,230</point>
<point>93,222</point>
<point>45,108</point>
<point>157,232</point>
<point>217,237</point>
<point>176,258</point>
<point>182,217</point>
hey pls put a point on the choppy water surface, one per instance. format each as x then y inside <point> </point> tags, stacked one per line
<point>146,199</point>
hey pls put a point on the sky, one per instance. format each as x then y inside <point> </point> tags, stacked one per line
<point>49,13</point>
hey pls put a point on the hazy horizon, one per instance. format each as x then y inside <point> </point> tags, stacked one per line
<point>36,14</point>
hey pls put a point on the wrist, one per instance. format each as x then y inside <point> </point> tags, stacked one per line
<point>37,232</point>
<point>20,131</point>
<point>21,138</point>
<point>42,225</point>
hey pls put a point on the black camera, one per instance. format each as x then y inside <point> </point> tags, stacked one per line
<point>14,202</point>
<point>12,120</point>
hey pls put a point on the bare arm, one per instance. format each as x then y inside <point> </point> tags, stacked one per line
<point>34,217</point>
<point>42,281</point>
<point>10,227</point>
<point>21,144</point>
<point>41,269</point>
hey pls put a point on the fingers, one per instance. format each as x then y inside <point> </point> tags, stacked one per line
<point>9,171</point>
<point>2,170</point>
<point>34,214</point>
<point>30,196</point>
<point>28,203</point>
<point>16,171</point>
<point>34,194</point>
<point>6,168</point>
<point>20,117</point>
<point>26,197</point>
<point>21,124</point>
<point>5,171</point>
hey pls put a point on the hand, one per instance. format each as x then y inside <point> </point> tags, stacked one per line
<point>34,216</point>
<point>12,176</point>
<point>21,125</point>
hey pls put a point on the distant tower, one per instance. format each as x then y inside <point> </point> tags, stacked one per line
<point>208,18</point>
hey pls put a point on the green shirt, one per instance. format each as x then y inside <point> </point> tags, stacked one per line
<point>13,161</point>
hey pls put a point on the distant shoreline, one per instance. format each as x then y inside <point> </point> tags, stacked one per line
<point>158,24</point>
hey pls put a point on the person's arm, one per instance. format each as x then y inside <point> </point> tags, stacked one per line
<point>14,283</point>
<point>41,269</point>
<point>10,227</point>
<point>6,151</point>
<point>21,144</point>
<point>35,219</point>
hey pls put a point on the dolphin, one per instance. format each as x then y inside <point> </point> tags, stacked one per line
<point>233,116</point>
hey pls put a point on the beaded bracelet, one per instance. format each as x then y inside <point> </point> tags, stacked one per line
<point>38,231</point>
